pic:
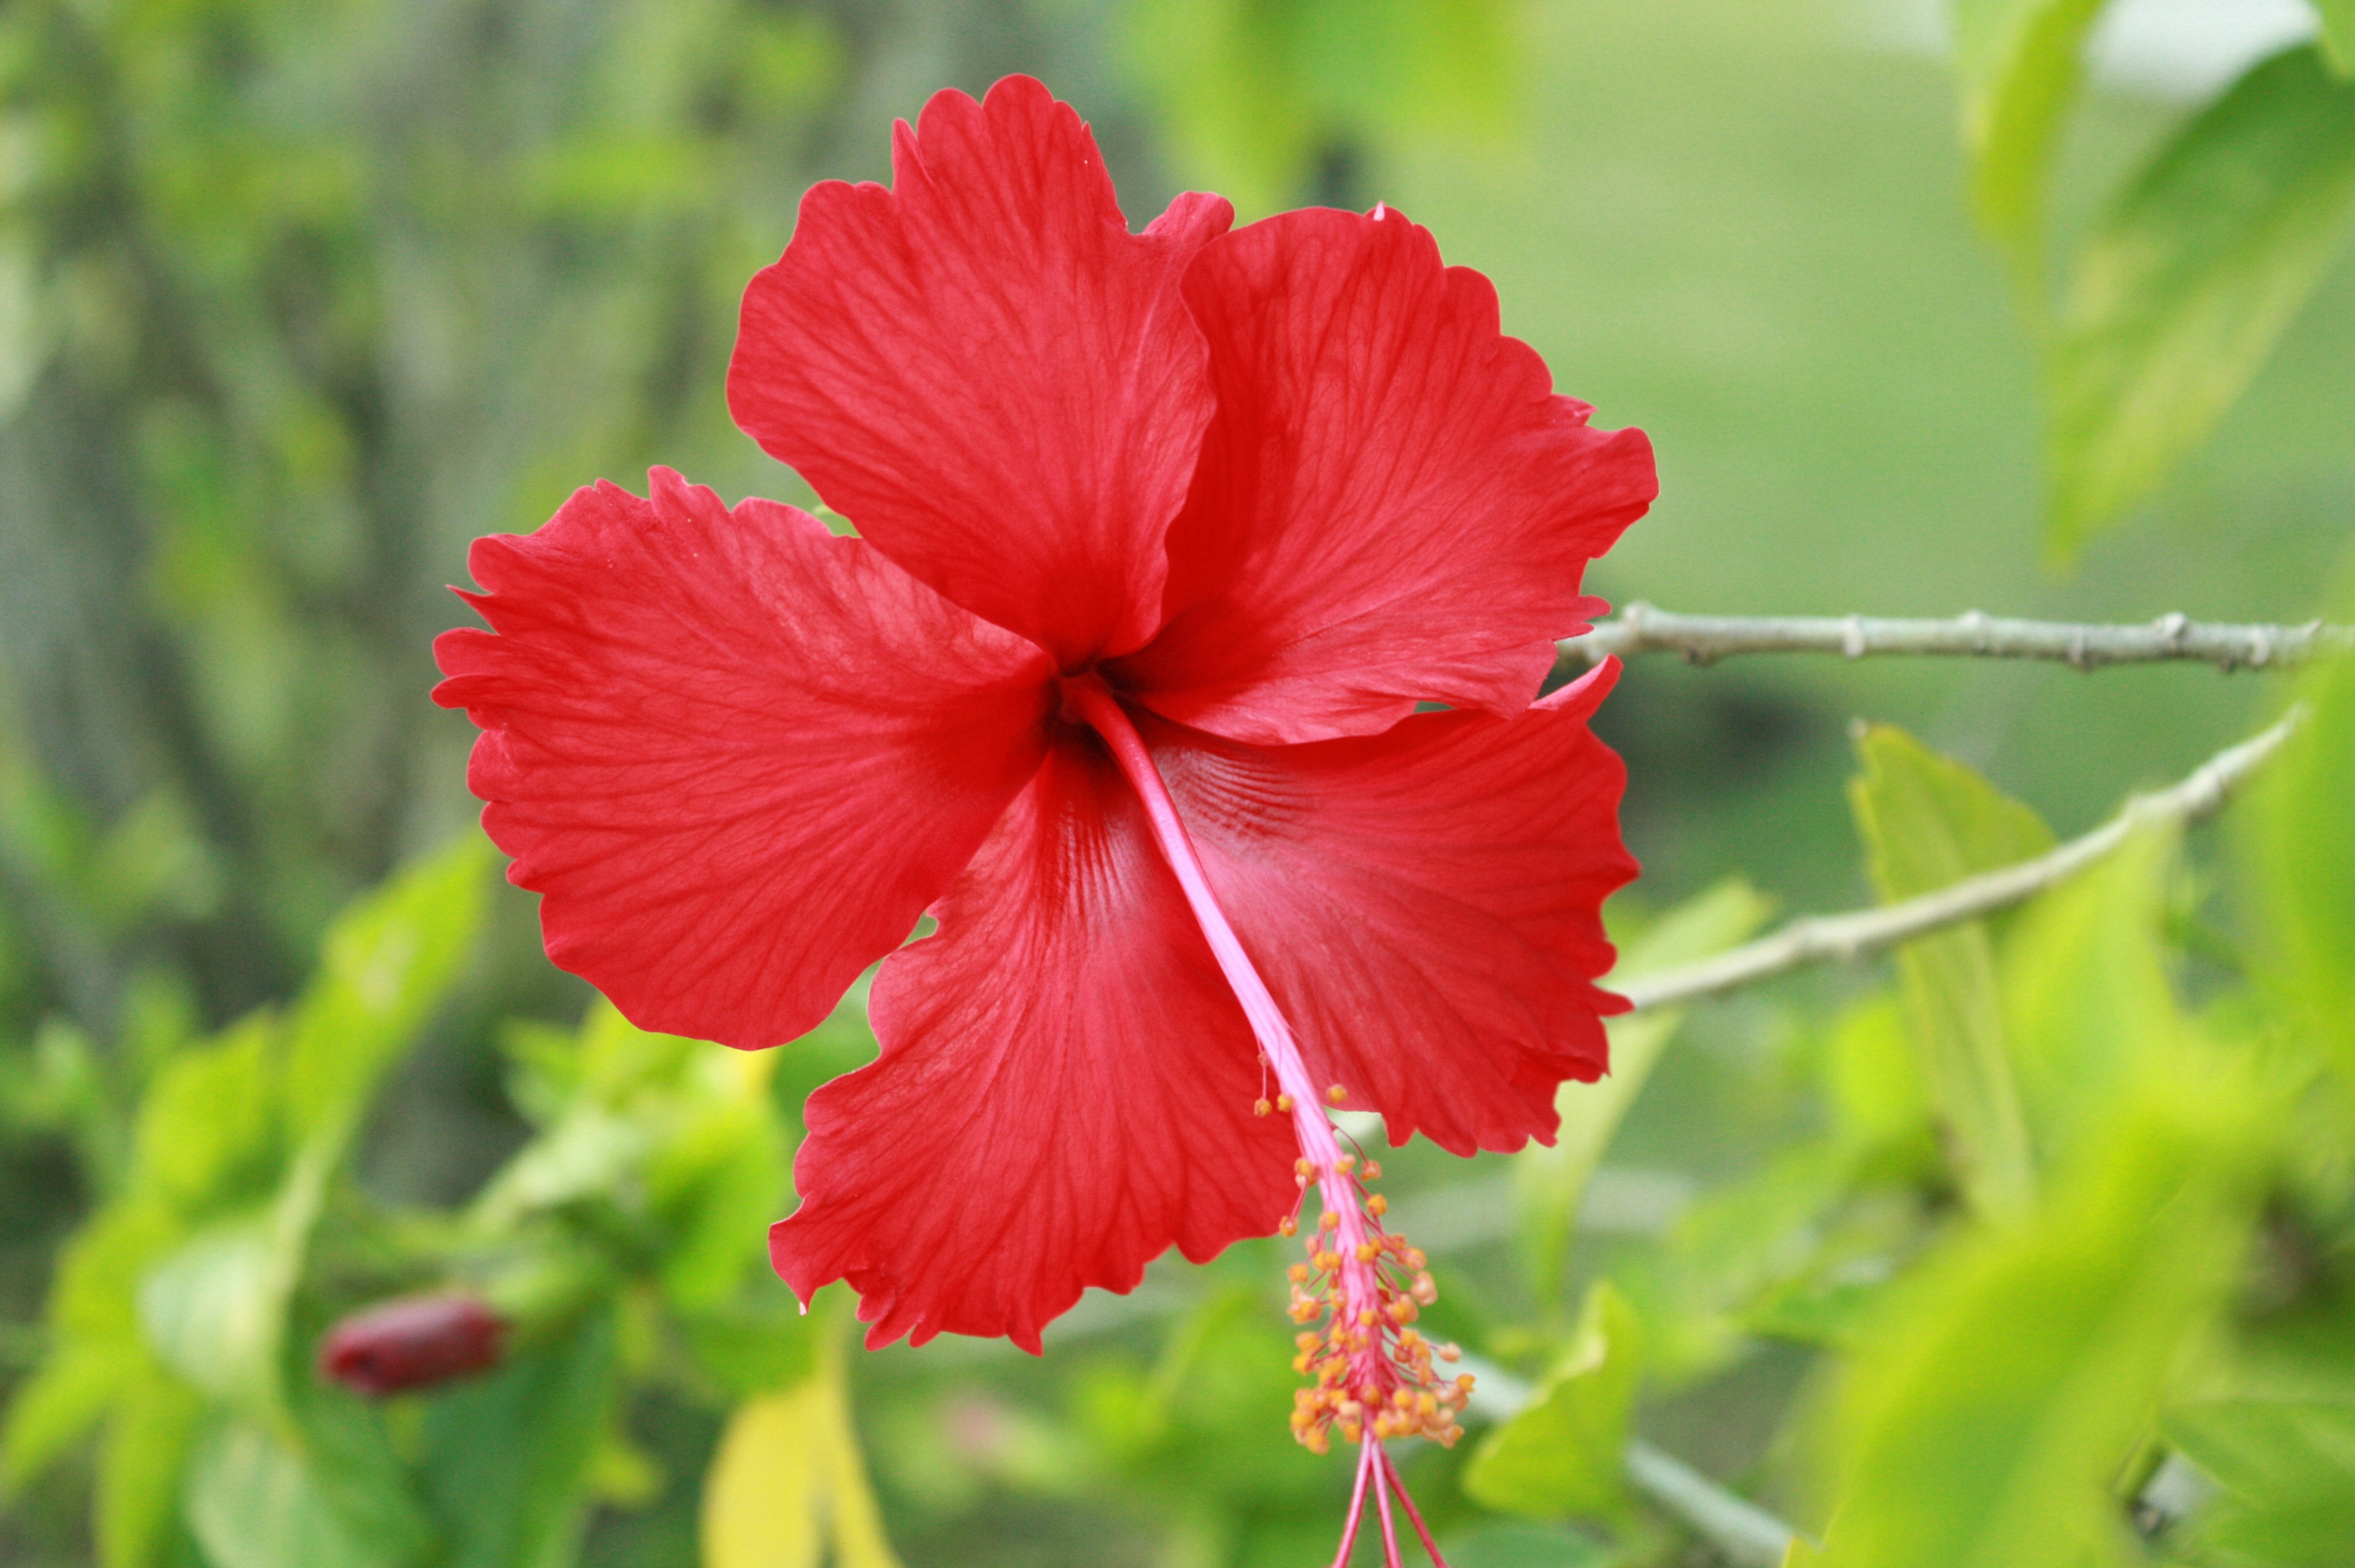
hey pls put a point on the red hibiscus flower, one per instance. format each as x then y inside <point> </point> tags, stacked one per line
<point>1164,539</point>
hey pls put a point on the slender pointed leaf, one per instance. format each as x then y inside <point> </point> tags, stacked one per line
<point>2185,287</point>
<point>2086,992</point>
<point>2021,62</point>
<point>1927,822</point>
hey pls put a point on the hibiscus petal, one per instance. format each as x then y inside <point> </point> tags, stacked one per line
<point>738,755</point>
<point>1065,1088</point>
<point>1424,904</point>
<point>1393,506</point>
<point>986,372</point>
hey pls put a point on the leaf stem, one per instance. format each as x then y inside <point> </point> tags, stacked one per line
<point>1705,639</point>
<point>1859,932</point>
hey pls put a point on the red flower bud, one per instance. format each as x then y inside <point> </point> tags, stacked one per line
<point>415,1342</point>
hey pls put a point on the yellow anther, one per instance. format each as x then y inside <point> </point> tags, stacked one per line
<point>1283,1101</point>
<point>1368,1251</point>
<point>1402,1398</point>
<point>1337,1094</point>
<point>1287,1226</point>
<point>1346,1164</point>
<point>1412,1257</point>
<point>1408,1339</point>
<point>1328,1221</point>
<point>1303,1166</point>
<point>1299,1274</point>
<point>1378,1205</point>
<point>1427,1404</point>
<point>1365,1317</point>
<point>1373,1170</point>
<point>1261,1107</point>
<point>1327,1262</point>
<point>1306,1341</point>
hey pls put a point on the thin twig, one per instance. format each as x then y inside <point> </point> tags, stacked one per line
<point>1704,639</point>
<point>1859,932</point>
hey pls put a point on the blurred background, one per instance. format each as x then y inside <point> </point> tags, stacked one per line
<point>298,298</point>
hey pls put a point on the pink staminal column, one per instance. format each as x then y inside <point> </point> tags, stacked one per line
<point>1360,1287</point>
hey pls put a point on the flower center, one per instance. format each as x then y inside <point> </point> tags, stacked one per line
<point>1362,1285</point>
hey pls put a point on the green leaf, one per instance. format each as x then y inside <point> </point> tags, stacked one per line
<point>2181,291</point>
<point>508,1456</point>
<point>2301,840</point>
<point>1566,1455</point>
<point>213,1311</point>
<point>2288,1473</point>
<point>254,1502</point>
<point>1928,822</point>
<point>140,1468</point>
<point>1550,1181</point>
<point>715,1185</point>
<point>1250,93</point>
<point>58,1406</point>
<point>2021,63</point>
<point>206,1133</point>
<point>387,963</point>
<point>1985,1422</point>
<point>1874,1077</point>
<point>2085,987</point>
<point>2337,34</point>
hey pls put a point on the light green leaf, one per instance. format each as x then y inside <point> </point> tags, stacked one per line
<point>1985,1422</point>
<point>254,1502</point>
<point>2302,842</point>
<point>1529,1546</point>
<point>1565,1456</point>
<point>95,1297</point>
<point>1928,821</point>
<point>139,1467</point>
<point>206,1133</point>
<point>385,964</point>
<point>2021,63</point>
<point>2288,1473</point>
<point>2183,288</point>
<point>715,1184</point>
<point>1874,1076</point>
<point>1250,93</point>
<point>1550,1182</point>
<point>58,1406</point>
<point>2085,988</point>
<point>2337,34</point>
<point>213,1311</point>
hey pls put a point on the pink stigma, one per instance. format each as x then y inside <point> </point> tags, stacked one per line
<point>1361,1286</point>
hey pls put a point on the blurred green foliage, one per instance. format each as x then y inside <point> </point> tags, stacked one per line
<point>2034,1245</point>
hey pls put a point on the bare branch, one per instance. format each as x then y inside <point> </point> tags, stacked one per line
<point>1859,932</point>
<point>1704,639</point>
